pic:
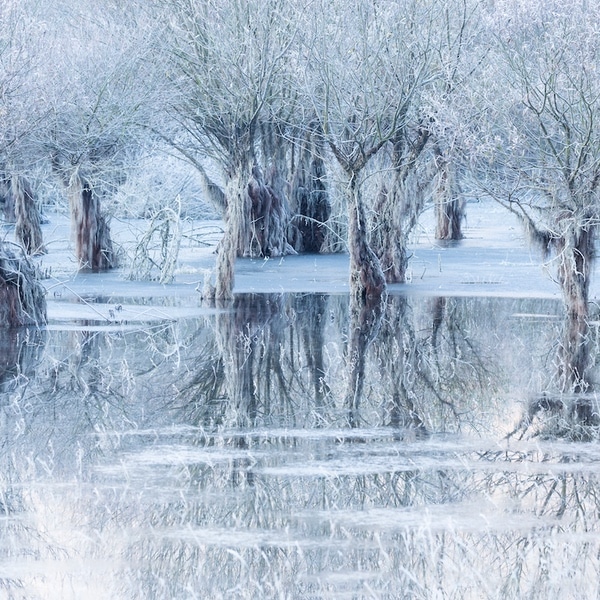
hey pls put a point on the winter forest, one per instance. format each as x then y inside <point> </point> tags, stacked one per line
<point>297,298</point>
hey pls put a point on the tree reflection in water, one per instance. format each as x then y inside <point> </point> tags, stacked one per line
<point>567,407</point>
<point>288,448</point>
<point>21,349</point>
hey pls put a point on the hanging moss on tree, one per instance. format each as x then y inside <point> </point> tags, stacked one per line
<point>311,200</point>
<point>269,217</point>
<point>28,230</point>
<point>400,201</point>
<point>93,245</point>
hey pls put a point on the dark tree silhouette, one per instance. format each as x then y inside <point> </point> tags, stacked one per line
<point>310,196</point>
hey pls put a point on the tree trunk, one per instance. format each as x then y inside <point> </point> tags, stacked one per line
<point>93,245</point>
<point>388,237</point>
<point>367,282</point>
<point>28,230</point>
<point>7,200</point>
<point>22,297</point>
<point>236,238</point>
<point>575,251</point>
<point>256,224</point>
<point>574,355</point>
<point>449,206</point>
<point>397,212</point>
<point>398,207</point>
<point>269,192</point>
<point>449,216</point>
<point>269,215</point>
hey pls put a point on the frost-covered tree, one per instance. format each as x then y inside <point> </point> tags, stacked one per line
<point>22,300</point>
<point>96,90</point>
<point>226,61</point>
<point>539,140</point>
<point>459,51</point>
<point>367,72</point>
<point>21,112</point>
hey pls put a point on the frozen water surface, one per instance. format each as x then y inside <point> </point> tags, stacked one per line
<point>155,447</point>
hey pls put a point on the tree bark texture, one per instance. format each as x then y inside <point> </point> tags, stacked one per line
<point>22,297</point>
<point>575,253</point>
<point>93,244</point>
<point>399,203</point>
<point>449,206</point>
<point>256,224</point>
<point>237,231</point>
<point>28,230</point>
<point>7,200</point>
<point>449,216</point>
<point>367,282</point>
<point>269,217</point>
<point>388,237</point>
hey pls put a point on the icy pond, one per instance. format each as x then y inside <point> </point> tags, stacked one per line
<point>155,447</point>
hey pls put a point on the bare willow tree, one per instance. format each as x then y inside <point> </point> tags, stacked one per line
<point>369,69</point>
<point>22,298</point>
<point>405,166</point>
<point>458,52</point>
<point>22,111</point>
<point>539,143</point>
<point>353,95</point>
<point>226,63</point>
<point>430,61</point>
<point>97,99</point>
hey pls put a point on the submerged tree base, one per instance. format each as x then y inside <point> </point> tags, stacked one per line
<point>22,297</point>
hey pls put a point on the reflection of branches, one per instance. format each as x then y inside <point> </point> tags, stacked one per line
<point>273,358</point>
<point>552,489</point>
<point>233,477</point>
<point>567,408</point>
<point>20,352</point>
<point>561,416</point>
<point>202,398</point>
<point>436,362</point>
<point>365,320</point>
